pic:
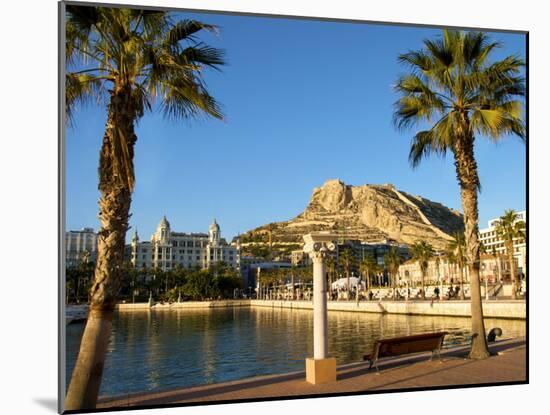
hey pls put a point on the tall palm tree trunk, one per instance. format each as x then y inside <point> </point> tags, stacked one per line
<point>513,276</point>
<point>422,285</point>
<point>348,284</point>
<point>462,294</point>
<point>466,169</point>
<point>114,207</point>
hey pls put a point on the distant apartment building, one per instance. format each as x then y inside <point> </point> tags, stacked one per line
<point>167,249</point>
<point>492,242</point>
<point>80,246</point>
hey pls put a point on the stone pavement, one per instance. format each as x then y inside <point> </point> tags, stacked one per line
<point>507,364</point>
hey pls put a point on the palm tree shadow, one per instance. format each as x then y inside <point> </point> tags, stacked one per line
<point>48,403</point>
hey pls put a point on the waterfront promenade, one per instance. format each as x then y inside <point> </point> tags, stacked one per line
<point>507,364</point>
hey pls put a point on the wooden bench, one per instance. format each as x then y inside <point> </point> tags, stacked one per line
<point>398,346</point>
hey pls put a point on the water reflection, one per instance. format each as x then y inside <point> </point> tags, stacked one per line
<point>152,350</point>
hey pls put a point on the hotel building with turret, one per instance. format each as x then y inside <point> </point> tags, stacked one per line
<point>168,249</point>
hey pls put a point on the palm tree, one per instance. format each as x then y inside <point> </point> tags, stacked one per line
<point>393,260</point>
<point>510,227</point>
<point>454,87</point>
<point>451,261</point>
<point>368,264</point>
<point>129,58</point>
<point>457,248</point>
<point>292,273</point>
<point>347,259</point>
<point>438,271</point>
<point>422,252</point>
<point>496,255</point>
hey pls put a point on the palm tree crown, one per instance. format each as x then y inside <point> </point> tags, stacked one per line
<point>510,227</point>
<point>143,53</point>
<point>346,259</point>
<point>455,87</point>
<point>393,260</point>
<point>422,252</point>
<point>456,249</point>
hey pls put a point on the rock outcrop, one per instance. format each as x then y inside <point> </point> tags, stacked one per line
<point>368,213</point>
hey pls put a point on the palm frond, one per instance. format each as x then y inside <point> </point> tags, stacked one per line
<point>203,55</point>
<point>184,30</point>
<point>81,89</point>
<point>182,100</point>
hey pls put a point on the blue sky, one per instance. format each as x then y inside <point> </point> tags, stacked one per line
<point>305,101</point>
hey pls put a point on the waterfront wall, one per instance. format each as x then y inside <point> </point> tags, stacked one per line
<point>494,309</point>
<point>491,309</point>
<point>183,304</point>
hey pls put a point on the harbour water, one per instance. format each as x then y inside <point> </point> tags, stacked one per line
<point>155,350</point>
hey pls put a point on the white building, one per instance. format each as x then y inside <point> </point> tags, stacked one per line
<point>493,267</point>
<point>491,241</point>
<point>80,246</point>
<point>167,249</point>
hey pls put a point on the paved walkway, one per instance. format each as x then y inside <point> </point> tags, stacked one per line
<point>507,364</point>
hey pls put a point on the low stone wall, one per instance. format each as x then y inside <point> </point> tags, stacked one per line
<point>132,306</point>
<point>204,304</point>
<point>491,309</point>
<point>183,304</point>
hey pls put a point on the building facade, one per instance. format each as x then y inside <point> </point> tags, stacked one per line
<point>167,249</point>
<point>80,246</point>
<point>494,244</point>
<point>492,269</point>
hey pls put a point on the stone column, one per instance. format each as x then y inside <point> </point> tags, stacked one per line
<point>321,368</point>
<point>320,323</point>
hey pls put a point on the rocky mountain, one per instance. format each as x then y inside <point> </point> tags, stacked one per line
<point>368,213</point>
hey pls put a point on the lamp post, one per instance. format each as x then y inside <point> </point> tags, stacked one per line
<point>321,368</point>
